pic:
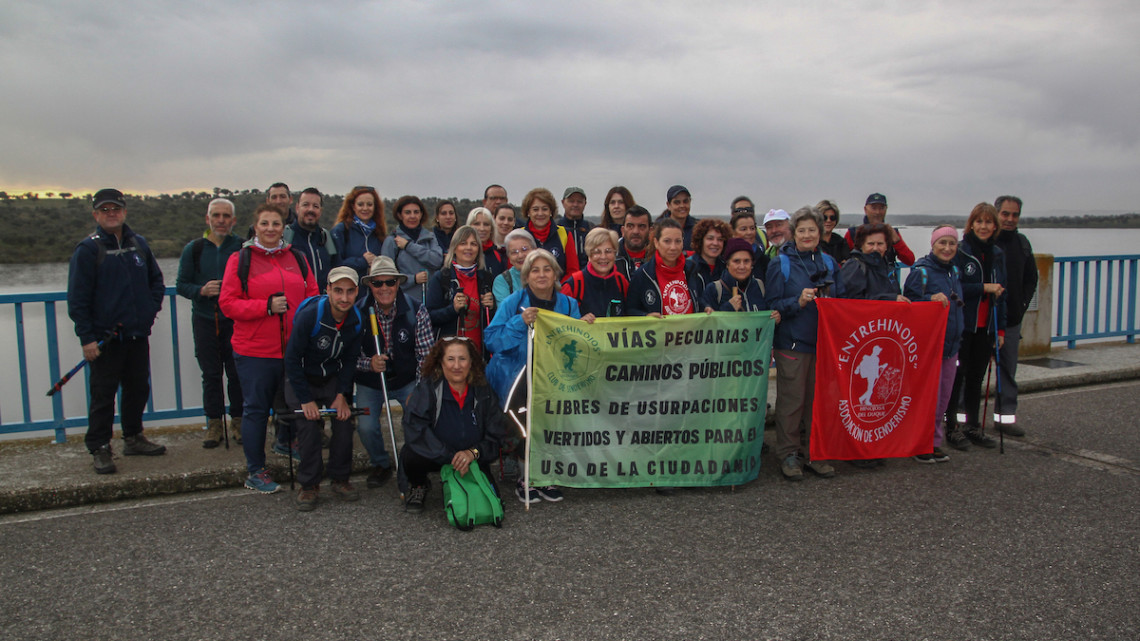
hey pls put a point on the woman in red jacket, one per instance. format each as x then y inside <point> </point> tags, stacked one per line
<point>261,289</point>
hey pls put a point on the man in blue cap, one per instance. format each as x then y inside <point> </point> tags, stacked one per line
<point>875,211</point>
<point>114,292</point>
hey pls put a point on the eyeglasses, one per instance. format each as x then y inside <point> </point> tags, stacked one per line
<point>744,210</point>
<point>516,252</point>
<point>107,210</point>
<point>606,251</point>
<point>391,282</point>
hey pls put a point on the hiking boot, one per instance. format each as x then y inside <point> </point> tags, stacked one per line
<point>307,498</point>
<point>137,445</point>
<point>415,502</point>
<point>379,476</point>
<point>262,482</point>
<point>213,433</point>
<point>979,438</point>
<point>792,468</point>
<point>939,456</point>
<point>103,462</point>
<point>822,469</point>
<point>235,429</point>
<point>1010,429</point>
<point>549,493</point>
<point>281,449</point>
<point>526,494</point>
<point>344,491</point>
<point>957,440</point>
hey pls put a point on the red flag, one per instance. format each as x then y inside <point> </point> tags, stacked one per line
<point>876,378</point>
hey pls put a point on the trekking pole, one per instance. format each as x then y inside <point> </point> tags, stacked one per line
<point>997,393</point>
<point>986,406</point>
<point>289,443</point>
<point>83,361</point>
<point>225,430</point>
<point>328,411</point>
<point>218,336</point>
<point>372,316</point>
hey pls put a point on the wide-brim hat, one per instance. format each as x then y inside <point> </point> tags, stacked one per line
<point>383,268</point>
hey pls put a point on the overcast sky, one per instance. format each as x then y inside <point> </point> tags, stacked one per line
<point>939,105</point>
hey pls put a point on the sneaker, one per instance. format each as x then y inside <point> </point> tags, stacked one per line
<point>415,502</point>
<point>526,494</point>
<point>549,493</point>
<point>137,445</point>
<point>261,482</point>
<point>344,491</point>
<point>306,500</point>
<point>958,440</point>
<point>925,458</point>
<point>822,469</point>
<point>939,456</point>
<point>792,468</point>
<point>103,462</point>
<point>281,449</point>
<point>979,438</point>
<point>1010,429</point>
<point>213,433</point>
<point>379,476</point>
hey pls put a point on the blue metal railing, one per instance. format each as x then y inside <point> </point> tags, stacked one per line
<point>1096,298</point>
<point>35,413</point>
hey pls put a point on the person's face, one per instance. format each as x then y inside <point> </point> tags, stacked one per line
<point>411,215</point>
<point>874,243</point>
<point>384,290</point>
<point>875,212</point>
<point>482,225</point>
<point>504,221</point>
<point>984,227</point>
<point>1009,215</point>
<point>635,231</point>
<point>517,250</point>
<point>220,218</point>
<point>495,196</point>
<point>671,245</point>
<point>945,248</point>
<point>740,266</point>
<point>830,218</point>
<point>602,258</point>
<point>539,214</point>
<point>445,218</point>
<point>279,197</point>
<point>679,206</point>
<point>364,206</point>
<point>745,228</point>
<point>342,295</point>
<point>711,245</point>
<point>268,229</point>
<point>309,210</point>
<point>777,231</point>
<point>575,205</point>
<point>467,252</point>
<point>807,235</point>
<point>111,217</point>
<point>617,208</point>
<point>456,364</point>
<point>541,277</point>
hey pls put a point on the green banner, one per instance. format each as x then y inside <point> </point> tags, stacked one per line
<point>631,402</point>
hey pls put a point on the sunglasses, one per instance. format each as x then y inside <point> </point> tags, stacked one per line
<point>391,282</point>
<point>452,339</point>
<point>744,210</point>
<point>107,210</point>
<point>831,217</point>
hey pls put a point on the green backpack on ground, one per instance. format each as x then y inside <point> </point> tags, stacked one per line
<point>470,500</point>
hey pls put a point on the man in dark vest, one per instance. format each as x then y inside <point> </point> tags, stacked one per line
<point>114,292</point>
<point>574,220</point>
<point>1021,274</point>
<point>404,335</point>
<point>633,246</point>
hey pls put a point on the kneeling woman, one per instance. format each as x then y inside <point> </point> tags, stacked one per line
<point>452,416</point>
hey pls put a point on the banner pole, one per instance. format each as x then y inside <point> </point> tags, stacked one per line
<point>529,407</point>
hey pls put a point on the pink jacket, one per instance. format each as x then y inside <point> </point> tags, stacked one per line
<point>256,332</point>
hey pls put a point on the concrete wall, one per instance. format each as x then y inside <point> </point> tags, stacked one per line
<point>1037,325</point>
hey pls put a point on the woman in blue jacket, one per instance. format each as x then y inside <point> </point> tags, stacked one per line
<point>413,248</point>
<point>797,275</point>
<point>360,229</point>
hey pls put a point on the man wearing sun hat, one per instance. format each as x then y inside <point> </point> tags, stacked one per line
<point>114,285</point>
<point>405,337</point>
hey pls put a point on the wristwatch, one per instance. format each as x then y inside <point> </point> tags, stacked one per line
<point>475,451</point>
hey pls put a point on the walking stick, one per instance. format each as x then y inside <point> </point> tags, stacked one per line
<point>997,396</point>
<point>384,390</point>
<point>83,361</point>
<point>218,337</point>
<point>289,444</point>
<point>328,411</point>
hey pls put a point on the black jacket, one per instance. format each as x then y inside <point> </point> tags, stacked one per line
<point>1020,272</point>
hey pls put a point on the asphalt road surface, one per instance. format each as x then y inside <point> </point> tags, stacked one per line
<point>1042,542</point>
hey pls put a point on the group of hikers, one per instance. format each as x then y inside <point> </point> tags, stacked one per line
<point>297,323</point>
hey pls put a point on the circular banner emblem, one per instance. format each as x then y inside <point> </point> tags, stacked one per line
<point>877,380</point>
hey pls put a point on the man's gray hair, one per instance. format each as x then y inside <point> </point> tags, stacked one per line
<point>1002,199</point>
<point>222,201</point>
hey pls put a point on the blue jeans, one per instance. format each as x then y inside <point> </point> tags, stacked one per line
<point>368,426</point>
<point>260,378</point>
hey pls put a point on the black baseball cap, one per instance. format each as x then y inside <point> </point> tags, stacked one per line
<point>876,199</point>
<point>104,196</point>
<point>676,190</point>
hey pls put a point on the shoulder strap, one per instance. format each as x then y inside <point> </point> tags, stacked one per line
<point>562,236</point>
<point>785,265</point>
<point>719,290</point>
<point>244,257</point>
<point>196,248</point>
<point>302,262</point>
<point>623,284</point>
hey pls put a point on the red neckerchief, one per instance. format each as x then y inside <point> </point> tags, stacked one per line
<point>590,268</point>
<point>638,255</point>
<point>539,236</point>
